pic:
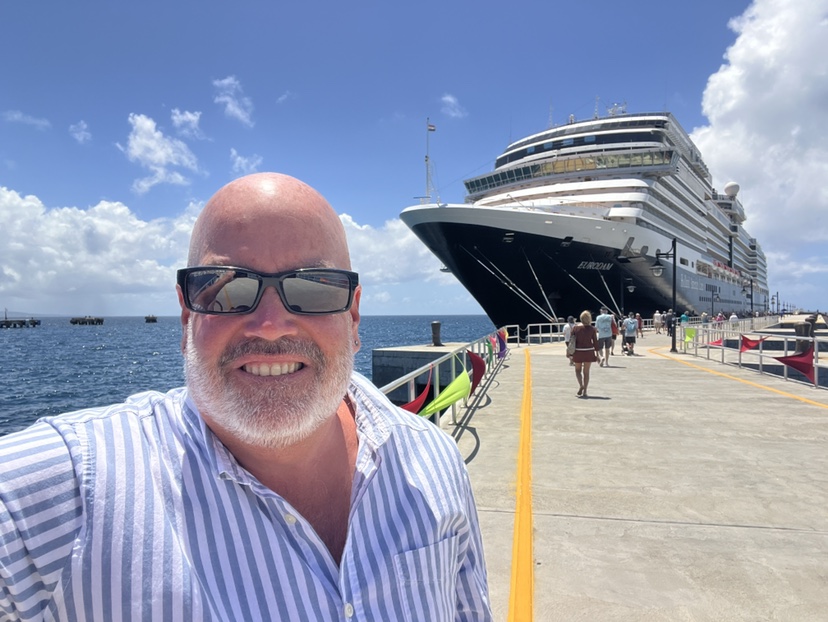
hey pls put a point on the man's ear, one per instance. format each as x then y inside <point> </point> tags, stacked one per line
<point>354,311</point>
<point>185,318</point>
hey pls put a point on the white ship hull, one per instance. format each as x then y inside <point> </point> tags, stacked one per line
<point>535,250</point>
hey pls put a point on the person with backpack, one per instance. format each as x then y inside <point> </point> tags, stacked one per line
<point>630,327</point>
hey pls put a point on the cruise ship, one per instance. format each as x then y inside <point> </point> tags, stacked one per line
<point>601,212</point>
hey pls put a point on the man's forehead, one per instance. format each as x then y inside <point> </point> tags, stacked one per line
<point>268,230</point>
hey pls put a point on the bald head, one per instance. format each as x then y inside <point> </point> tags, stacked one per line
<point>257,219</point>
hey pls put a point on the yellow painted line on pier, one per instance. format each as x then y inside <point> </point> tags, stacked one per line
<point>742,380</point>
<point>521,599</point>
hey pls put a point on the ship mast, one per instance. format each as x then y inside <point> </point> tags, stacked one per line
<point>429,128</point>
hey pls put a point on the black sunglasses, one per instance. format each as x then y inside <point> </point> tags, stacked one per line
<point>223,290</point>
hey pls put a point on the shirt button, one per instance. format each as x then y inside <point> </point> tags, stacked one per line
<point>290,519</point>
<point>349,610</point>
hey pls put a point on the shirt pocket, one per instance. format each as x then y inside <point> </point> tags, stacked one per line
<point>427,579</point>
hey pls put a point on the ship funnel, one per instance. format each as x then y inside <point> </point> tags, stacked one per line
<point>731,189</point>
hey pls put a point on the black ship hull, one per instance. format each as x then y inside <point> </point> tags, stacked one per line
<point>521,278</point>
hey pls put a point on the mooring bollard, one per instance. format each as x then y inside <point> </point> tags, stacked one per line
<point>435,334</point>
<point>804,329</point>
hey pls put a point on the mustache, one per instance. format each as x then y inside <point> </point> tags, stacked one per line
<point>282,347</point>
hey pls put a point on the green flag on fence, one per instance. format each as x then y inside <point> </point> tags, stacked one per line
<point>459,388</point>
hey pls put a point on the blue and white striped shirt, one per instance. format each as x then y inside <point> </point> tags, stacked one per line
<point>137,512</point>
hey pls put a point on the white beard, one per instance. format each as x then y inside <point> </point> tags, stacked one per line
<point>274,418</point>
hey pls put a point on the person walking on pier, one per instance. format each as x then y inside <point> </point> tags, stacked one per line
<point>567,333</point>
<point>630,326</point>
<point>586,351</point>
<point>669,321</point>
<point>603,323</point>
<point>278,484</point>
<point>657,322</point>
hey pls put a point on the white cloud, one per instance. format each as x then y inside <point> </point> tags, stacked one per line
<point>389,255</point>
<point>15,116</point>
<point>452,108</point>
<point>80,132</point>
<point>231,96</point>
<point>242,165</point>
<point>149,147</point>
<point>284,97</point>
<point>766,107</point>
<point>399,274</point>
<point>100,260</point>
<point>104,260</point>
<point>186,123</point>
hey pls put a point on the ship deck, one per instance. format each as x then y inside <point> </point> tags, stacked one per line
<point>682,489</point>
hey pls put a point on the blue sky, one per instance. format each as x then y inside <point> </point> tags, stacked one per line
<point>119,120</point>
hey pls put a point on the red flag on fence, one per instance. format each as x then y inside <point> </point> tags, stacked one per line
<point>718,342</point>
<point>749,344</point>
<point>803,362</point>
<point>478,369</point>
<point>416,404</point>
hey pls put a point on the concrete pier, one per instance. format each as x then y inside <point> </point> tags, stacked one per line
<point>681,489</point>
<point>19,323</point>
<point>388,364</point>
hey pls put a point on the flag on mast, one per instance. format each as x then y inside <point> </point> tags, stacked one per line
<point>432,127</point>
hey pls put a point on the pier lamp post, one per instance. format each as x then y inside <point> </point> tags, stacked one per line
<point>626,283</point>
<point>658,269</point>
<point>750,294</point>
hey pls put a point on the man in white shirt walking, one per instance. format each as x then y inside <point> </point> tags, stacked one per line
<point>604,325</point>
<point>630,326</point>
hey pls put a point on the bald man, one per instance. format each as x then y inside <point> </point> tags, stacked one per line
<point>279,484</point>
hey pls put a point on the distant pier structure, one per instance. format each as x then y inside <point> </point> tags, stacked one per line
<point>21,323</point>
<point>87,320</point>
<point>17,322</point>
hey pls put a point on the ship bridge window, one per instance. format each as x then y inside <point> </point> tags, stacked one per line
<point>591,139</point>
<point>567,165</point>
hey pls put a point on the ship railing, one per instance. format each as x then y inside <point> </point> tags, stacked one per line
<point>758,349</point>
<point>456,361</point>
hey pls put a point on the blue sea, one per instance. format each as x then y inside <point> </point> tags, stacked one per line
<point>58,367</point>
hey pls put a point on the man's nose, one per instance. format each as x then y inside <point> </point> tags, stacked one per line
<point>270,319</point>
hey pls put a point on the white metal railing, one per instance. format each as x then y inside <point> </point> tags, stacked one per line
<point>724,343</point>
<point>450,359</point>
<point>544,333</point>
<point>707,333</point>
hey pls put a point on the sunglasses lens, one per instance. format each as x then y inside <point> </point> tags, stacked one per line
<point>227,290</point>
<point>221,291</point>
<point>317,291</point>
